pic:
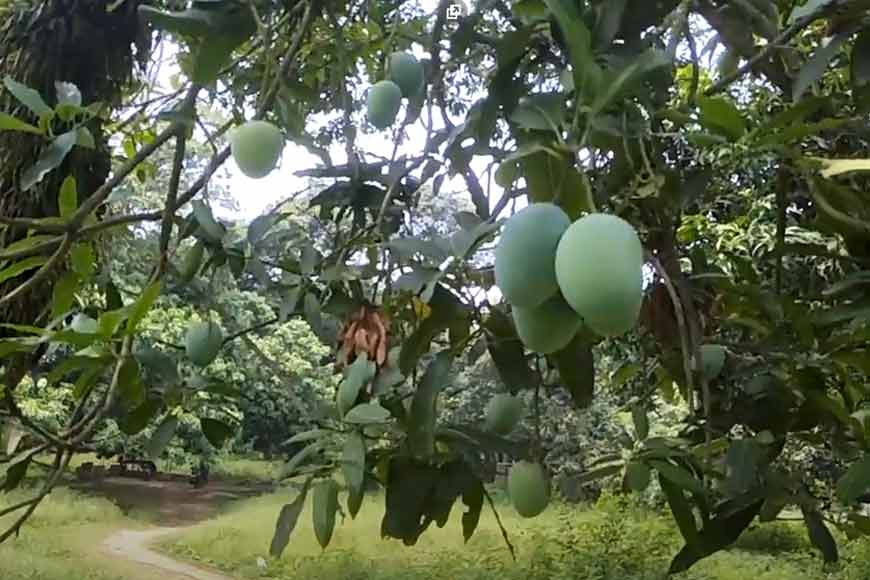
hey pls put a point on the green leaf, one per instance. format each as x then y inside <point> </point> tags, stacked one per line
<point>860,61</point>
<point>68,198</point>
<point>309,435</point>
<point>162,436</point>
<point>204,217</point>
<point>631,74</point>
<point>576,366</point>
<point>288,304</point>
<point>816,66</point>
<point>28,97</point>
<point>718,533</point>
<point>217,432</point>
<point>641,421</point>
<point>423,412</point>
<point>10,123</point>
<point>358,374</point>
<point>21,266</point>
<point>721,116</point>
<point>192,22</point>
<point>806,9</point>
<point>599,473</point>
<point>50,158</point>
<point>287,520</point>
<point>678,475</point>
<point>855,482</point>
<point>637,476</point>
<point>141,307</point>
<point>260,226</point>
<point>554,178</point>
<point>139,417</point>
<point>109,321</point>
<point>473,500</point>
<point>367,414</point>
<point>234,26</point>
<point>324,506</point>
<point>820,535</point>
<point>15,472</point>
<point>681,510</point>
<point>289,470</point>
<point>741,464</point>
<point>12,437</point>
<point>83,259</point>
<point>579,41</point>
<point>312,313</point>
<point>507,352</point>
<point>84,138</point>
<point>353,464</point>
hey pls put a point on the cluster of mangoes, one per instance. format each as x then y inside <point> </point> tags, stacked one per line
<point>384,99</point>
<point>560,276</point>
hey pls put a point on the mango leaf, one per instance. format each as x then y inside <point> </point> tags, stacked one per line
<point>820,535</point>
<point>445,310</point>
<point>68,198</point>
<point>260,226</point>
<point>235,25</point>
<point>287,520</point>
<point>217,432</point>
<point>860,61</point>
<point>324,505</point>
<point>741,465</point>
<point>353,463</point>
<point>309,435</point>
<point>855,482</point>
<point>162,436</point>
<point>554,178</point>
<point>408,487</point>
<point>358,374</point>
<point>472,497</point>
<point>576,366</point>
<point>678,475</point>
<point>636,70</point>
<point>83,259</point>
<point>680,509</point>
<point>289,469</point>
<point>15,472</point>
<point>833,167</point>
<point>50,158</point>
<point>139,417</point>
<point>28,97</point>
<point>204,217</point>
<point>423,412</point>
<point>10,123</point>
<point>21,266</point>
<point>193,21</point>
<point>641,421</point>
<point>807,8</point>
<point>12,436</point>
<point>367,414</point>
<point>718,533</point>
<point>816,66</point>
<point>507,352</point>
<point>637,476</point>
<point>312,313</point>
<point>577,37</point>
<point>721,116</point>
<point>141,307</point>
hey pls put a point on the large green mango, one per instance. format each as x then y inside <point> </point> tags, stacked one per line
<point>528,488</point>
<point>599,266</point>
<point>503,412</point>
<point>407,72</point>
<point>547,328</point>
<point>256,147</point>
<point>383,103</point>
<point>202,342</point>
<point>525,269</point>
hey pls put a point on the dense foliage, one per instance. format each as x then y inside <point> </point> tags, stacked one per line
<point>727,134</point>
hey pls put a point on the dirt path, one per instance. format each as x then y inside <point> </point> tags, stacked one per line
<point>134,546</point>
<point>171,506</point>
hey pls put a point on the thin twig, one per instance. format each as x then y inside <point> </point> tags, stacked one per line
<point>501,527</point>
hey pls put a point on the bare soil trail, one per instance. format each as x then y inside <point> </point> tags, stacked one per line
<point>170,505</point>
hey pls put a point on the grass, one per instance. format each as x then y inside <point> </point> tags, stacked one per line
<point>64,528</point>
<point>246,469</point>
<point>613,541</point>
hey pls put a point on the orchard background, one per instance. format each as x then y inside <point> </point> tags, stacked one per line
<point>357,328</point>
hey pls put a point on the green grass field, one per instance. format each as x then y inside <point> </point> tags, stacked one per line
<point>610,542</point>
<point>61,540</point>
